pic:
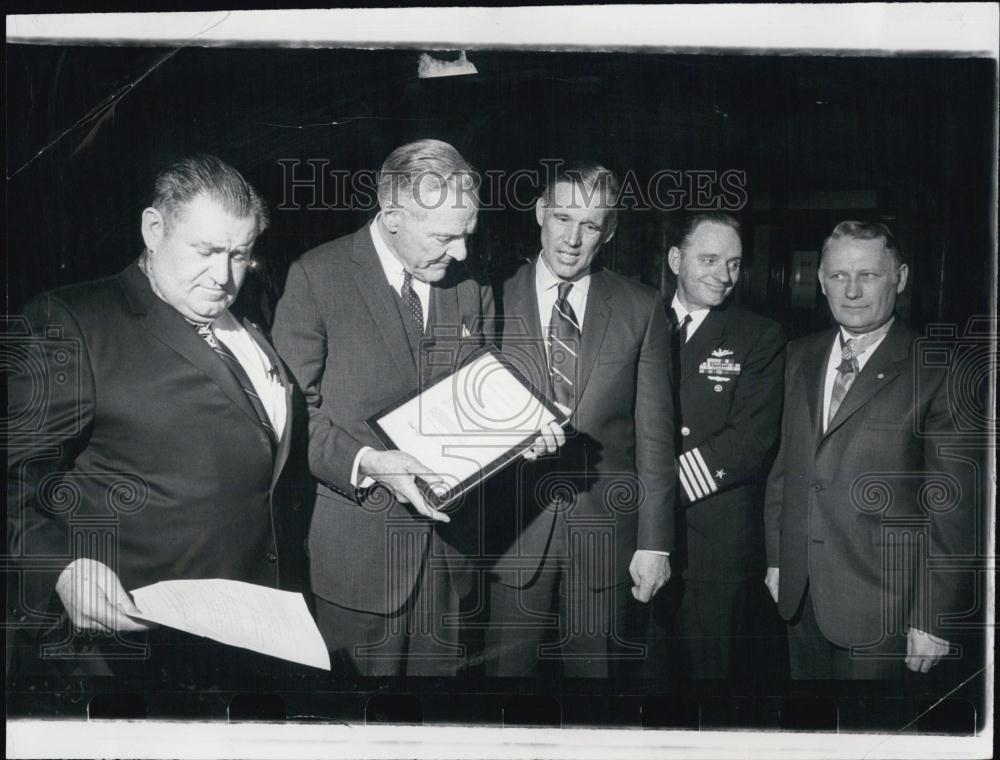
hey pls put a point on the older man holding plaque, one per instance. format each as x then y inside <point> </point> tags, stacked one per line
<point>358,325</point>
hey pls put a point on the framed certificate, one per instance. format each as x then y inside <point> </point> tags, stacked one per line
<point>468,425</point>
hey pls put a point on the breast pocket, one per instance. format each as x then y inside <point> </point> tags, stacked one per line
<point>618,357</point>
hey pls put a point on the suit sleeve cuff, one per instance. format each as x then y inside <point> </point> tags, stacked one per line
<point>366,482</point>
<point>696,479</point>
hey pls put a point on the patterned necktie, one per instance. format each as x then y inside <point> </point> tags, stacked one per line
<point>412,301</point>
<point>564,343</point>
<point>848,369</point>
<point>204,329</point>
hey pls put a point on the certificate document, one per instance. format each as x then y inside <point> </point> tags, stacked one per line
<point>470,424</point>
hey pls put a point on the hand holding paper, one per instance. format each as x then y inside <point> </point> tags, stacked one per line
<point>239,614</point>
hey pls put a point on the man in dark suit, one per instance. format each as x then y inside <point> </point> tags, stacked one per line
<point>862,498</point>
<point>366,320</point>
<point>730,363</point>
<point>596,524</point>
<point>152,427</point>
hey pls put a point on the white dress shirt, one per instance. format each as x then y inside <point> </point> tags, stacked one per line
<point>259,368</point>
<point>834,361</point>
<point>547,292</point>
<point>697,316</point>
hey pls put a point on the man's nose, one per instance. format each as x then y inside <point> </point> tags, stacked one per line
<point>220,268</point>
<point>572,236</point>
<point>457,250</point>
<point>853,289</point>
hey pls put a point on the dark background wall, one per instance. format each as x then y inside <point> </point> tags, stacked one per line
<point>906,140</point>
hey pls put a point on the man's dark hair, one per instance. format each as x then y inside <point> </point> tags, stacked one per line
<point>181,182</point>
<point>694,220</point>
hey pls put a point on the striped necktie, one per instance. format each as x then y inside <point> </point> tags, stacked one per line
<point>847,371</point>
<point>412,301</point>
<point>204,329</point>
<point>564,343</point>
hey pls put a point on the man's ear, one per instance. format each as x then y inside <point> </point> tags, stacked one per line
<point>540,211</point>
<point>819,276</point>
<point>674,259</point>
<point>392,218</point>
<point>902,273</point>
<point>154,228</point>
<point>611,230</point>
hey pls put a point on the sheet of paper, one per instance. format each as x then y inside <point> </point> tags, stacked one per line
<point>258,618</point>
<point>460,425</point>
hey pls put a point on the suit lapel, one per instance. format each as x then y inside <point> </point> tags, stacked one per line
<point>284,441</point>
<point>522,329</point>
<point>706,338</point>
<point>378,297</point>
<point>165,324</point>
<point>595,325</point>
<point>880,370</point>
<point>814,376</point>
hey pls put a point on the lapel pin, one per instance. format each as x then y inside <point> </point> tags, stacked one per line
<point>880,376</point>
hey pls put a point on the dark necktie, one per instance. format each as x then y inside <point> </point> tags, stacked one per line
<point>204,329</point>
<point>677,338</point>
<point>412,301</point>
<point>564,344</point>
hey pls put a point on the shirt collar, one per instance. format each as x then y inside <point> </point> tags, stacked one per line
<point>869,339</point>
<point>391,265</point>
<point>681,311</point>
<point>545,279</point>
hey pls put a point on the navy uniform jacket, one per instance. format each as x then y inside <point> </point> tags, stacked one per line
<point>730,410</point>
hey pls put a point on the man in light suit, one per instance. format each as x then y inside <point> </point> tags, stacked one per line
<point>364,322</point>
<point>154,425</point>
<point>729,390</point>
<point>862,499</point>
<point>573,538</point>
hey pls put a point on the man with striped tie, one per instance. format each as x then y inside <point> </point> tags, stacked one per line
<point>575,539</point>
<point>865,496</point>
<point>165,420</point>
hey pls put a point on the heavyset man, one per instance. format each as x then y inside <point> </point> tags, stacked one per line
<point>154,425</point>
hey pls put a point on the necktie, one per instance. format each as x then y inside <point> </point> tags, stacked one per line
<point>847,371</point>
<point>204,329</point>
<point>412,301</point>
<point>682,328</point>
<point>564,343</point>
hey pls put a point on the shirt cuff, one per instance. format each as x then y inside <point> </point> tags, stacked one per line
<point>366,482</point>
<point>656,551</point>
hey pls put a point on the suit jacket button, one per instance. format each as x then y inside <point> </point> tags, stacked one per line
<point>816,487</point>
<point>272,557</point>
<point>685,431</point>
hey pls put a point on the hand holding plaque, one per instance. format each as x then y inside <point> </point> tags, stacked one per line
<point>462,429</point>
